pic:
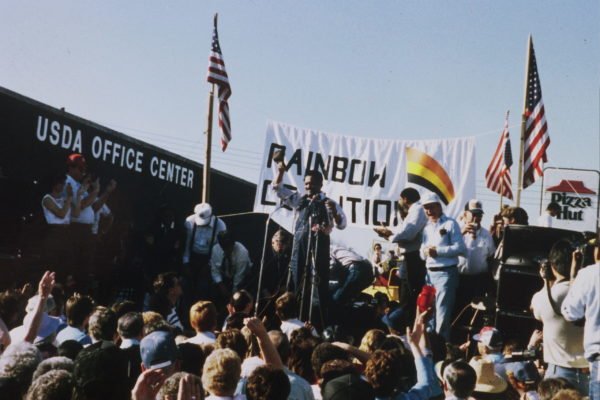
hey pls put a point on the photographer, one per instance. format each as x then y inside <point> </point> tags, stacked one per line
<point>583,301</point>
<point>562,340</point>
<point>316,216</point>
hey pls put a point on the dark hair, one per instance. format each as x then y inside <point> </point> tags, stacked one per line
<point>383,372</point>
<point>560,256</point>
<point>78,308</point>
<point>282,344</point>
<point>553,206</point>
<point>268,383</point>
<point>10,302</point>
<point>334,369</point>
<point>316,175</point>
<point>461,378</point>
<point>163,282</point>
<point>301,349</point>
<point>240,300</point>
<point>123,307</point>
<point>57,179</point>
<point>326,352</point>
<point>517,214</point>
<point>69,348</point>
<point>192,358</point>
<point>225,238</point>
<point>410,194</point>
<point>232,339</point>
<point>550,386</point>
<point>286,306</point>
<point>100,373</point>
<point>131,325</point>
<point>103,324</point>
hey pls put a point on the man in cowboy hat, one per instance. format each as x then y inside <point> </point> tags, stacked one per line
<point>201,229</point>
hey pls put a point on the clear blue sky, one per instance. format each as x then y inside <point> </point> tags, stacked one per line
<point>390,69</point>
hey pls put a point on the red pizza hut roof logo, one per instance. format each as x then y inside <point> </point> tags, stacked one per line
<point>566,186</point>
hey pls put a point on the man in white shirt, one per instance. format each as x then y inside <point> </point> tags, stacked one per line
<point>355,274</point>
<point>583,301</point>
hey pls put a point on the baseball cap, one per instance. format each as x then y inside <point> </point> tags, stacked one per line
<point>475,206</point>
<point>76,160</point>
<point>489,336</point>
<point>158,350</point>
<point>203,213</point>
<point>430,198</point>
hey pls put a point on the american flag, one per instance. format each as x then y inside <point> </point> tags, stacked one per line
<point>218,76</point>
<point>536,139</point>
<point>497,175</point>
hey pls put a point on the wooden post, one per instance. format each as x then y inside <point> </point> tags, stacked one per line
<point>523,125</point>
<point>207,149</point>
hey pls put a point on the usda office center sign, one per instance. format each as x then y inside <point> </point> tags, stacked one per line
<point>576,192</point>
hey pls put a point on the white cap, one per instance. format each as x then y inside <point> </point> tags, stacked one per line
<point>203,213</point>
<point>430,198</point>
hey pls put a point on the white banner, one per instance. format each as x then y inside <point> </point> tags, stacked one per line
<point>576,193</point>
<point>366,176</point>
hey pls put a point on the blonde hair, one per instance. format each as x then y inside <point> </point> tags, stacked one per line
<point>203,316</point>
<point>221,372</point>
<point>372,340</point>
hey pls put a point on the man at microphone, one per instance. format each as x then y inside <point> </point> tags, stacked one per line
<point>316,217</point>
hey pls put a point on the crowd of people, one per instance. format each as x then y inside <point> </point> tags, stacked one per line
<point>215,325</point>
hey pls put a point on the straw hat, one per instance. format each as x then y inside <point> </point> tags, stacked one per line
<point>488,381</point>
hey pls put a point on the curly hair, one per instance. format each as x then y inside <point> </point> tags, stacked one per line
<point>153,321</point>
<point>53,363</point>
<point>301,349</point>
<point>221,372</point>
<point>170,388</point>
<point>550,386</point>
<point>103,324</point>
<point>383,372</point>
<point>234,340</point>
<point>372,340</point>
<point>326,352</point>
<point>53,385</point>
<point>268,383</point>
<point>19,361</point>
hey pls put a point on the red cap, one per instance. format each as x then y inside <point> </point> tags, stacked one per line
<point>76,160</point>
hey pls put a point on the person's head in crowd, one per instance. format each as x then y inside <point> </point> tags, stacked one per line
<point>52,363</point>
<point>286,306</point>
<point>170,389</point>
<point>474,212</point>
<point>396,320</point>
<point>100,373</point>
<point>383,372</point>
<point>123,307</point>
<point>267,383</point>
<point>69,349</point>
<point>489,384</point>
<point>432,205</point>
<point>240,302</point>
<point>459,380</point>
<point>347,387</point>
<point>282,344</point>
<point>53,385</point>
<point>131,326</point>
<point>408,197</point>
<point>553,208</point>
<point>19,362</point>
<point>560,258</point>
<point>168,286</point>
<point>489,341</point>
<point>232,339</point>
<point>192,358</point>
<point>221,372</point>
<point>522,376</point>
<point>380,302</point>
<point>153,321</point>
<point>372,340</point>
<point>392,342</point>
<point>313,182</point>
<point>334,369</point>
<point>515,216</point>
<point>226,241</point>
<point>203,316</point>
<point>302,345</point>
<point>10,308</point>
<point>326,352</point>
<point>79,308</point>
<point>102,324</point>
<point>568,394</point>
<point>548,388</point>
<point>158,350</point>
<point>280,242</point>
<point>377,248</point>
<point>76,166</point>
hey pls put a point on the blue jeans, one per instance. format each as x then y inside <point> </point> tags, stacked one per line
<point>577,377</point>
<point>594,380</point>
<point>445,283</point>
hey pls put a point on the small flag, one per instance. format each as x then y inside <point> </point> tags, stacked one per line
<point>497,175</point>
<point>536,139</point>
<point>218,76</point>
<point>424,170</point>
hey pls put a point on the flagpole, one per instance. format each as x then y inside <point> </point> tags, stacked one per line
<point>523,125</point>
<point>208,145</point>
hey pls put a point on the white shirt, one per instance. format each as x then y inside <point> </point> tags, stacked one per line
<point>408,235</point>
<point>50,217</point>
<point>583,300</point>
<point>290,325</point>
<point>202,338</point>
<point>445,235</point>
<point>563,341</point>
<point>202,240</point>
<point>479,249</point>
<point>86,215</point>
<point>104,211</point>
<point>545,220</point>
<point>344,256</point>
<point>127,343</point>
<point>234,267</point>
